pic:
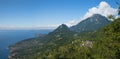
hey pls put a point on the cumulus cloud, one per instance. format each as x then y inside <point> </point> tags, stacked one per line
<point>103,8</point>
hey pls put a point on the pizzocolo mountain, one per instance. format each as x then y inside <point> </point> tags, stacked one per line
<point>93,38</point>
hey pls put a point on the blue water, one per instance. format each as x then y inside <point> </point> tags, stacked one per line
<point>9,37</point>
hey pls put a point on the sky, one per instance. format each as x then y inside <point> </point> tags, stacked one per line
<point>38,14</point>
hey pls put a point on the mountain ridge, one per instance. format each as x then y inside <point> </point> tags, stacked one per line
<point>92,23</point>
<point>61,36</point>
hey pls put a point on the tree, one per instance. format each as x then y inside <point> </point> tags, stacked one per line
<point>119,10</point>
<point>118,7</point>
<point>111,17</point>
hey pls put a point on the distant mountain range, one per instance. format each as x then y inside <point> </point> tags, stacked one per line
<point>41,47</point>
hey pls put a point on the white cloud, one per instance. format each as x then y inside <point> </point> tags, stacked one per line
<point>103,8</point>
<point>70,23</point>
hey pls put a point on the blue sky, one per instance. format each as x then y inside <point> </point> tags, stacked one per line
<point>44,13</point>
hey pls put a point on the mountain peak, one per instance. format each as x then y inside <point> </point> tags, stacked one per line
<point>96,15</point>
<point>92,23</point>
<point>59,34</point>
<point>62,27</point>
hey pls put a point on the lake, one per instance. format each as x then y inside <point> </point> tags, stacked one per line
<point>10,37</point>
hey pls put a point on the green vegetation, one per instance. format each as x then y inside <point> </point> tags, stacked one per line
<point>65,44</point>
<point>104,44</point>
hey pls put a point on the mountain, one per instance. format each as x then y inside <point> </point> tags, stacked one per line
<point>103,44</point>
<point>62,43</point>
<point>92,23</point>
<point>62,28</point>
<point>61,33</point>
<point>60,36</point>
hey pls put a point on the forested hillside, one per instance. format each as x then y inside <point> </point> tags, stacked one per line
<point>63,43</point>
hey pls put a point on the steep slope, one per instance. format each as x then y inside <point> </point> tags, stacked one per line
<point>92,23</point>
<point>109,41</point>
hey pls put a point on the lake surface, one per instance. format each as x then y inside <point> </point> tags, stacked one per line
<point>10,37</point>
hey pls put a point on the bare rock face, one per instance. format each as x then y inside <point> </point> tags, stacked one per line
<point>87,44</point>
